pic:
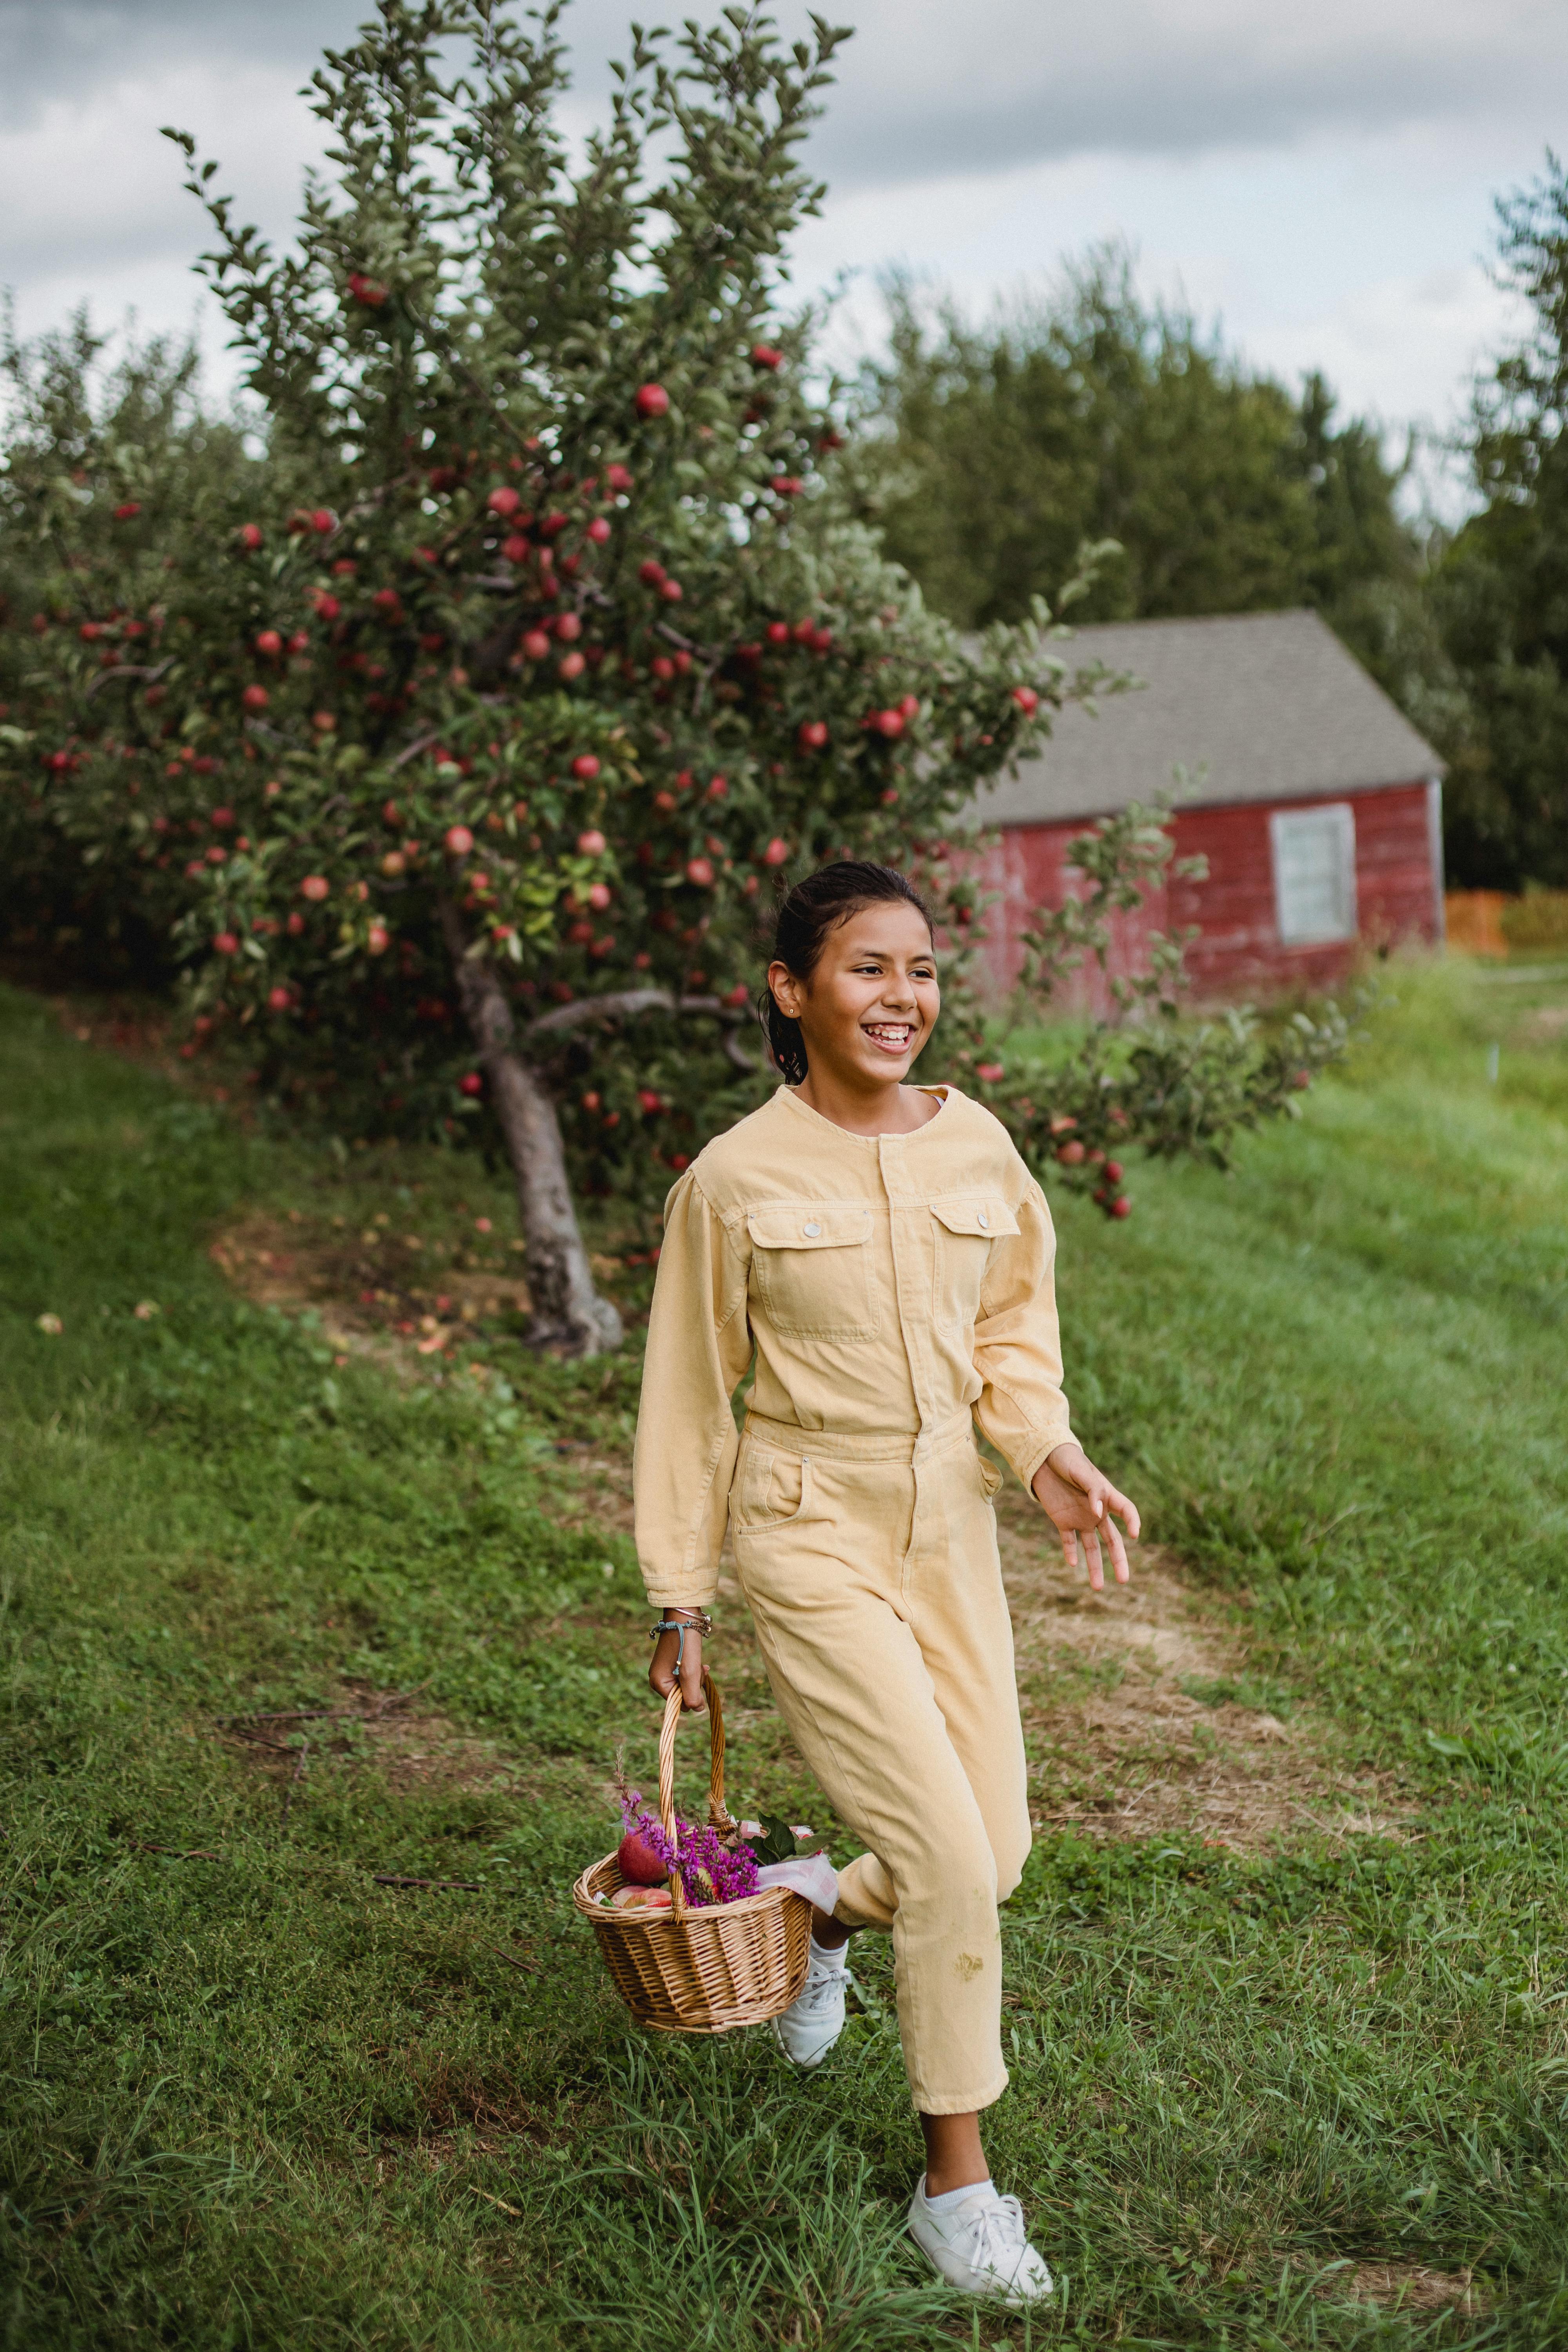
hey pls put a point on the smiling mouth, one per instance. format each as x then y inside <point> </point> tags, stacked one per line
<point>892,1036</point>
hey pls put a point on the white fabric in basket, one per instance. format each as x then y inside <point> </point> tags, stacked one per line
<point>811,1875</point>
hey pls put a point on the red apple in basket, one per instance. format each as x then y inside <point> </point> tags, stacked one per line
<point>638,1863</point>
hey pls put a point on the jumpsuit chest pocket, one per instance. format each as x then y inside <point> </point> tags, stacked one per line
<point>964,1230</point>
<point>811,1267</point>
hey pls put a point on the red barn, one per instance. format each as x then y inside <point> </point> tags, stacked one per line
<point>1316,804</point>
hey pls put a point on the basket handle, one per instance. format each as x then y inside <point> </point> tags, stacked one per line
<point>717,1813</point>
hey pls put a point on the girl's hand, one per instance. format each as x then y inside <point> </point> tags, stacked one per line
<point>1079,1499</point>
<point>661,1673</point>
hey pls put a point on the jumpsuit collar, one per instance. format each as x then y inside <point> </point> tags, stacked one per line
<point>805,1108</point>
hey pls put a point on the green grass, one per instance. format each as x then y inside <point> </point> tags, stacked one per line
<point>261,2101</point>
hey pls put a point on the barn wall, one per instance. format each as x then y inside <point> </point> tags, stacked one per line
<point>1027,864</point>
<point>1238,952</point>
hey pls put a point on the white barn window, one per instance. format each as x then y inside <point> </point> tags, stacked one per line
<point>1314,874</point>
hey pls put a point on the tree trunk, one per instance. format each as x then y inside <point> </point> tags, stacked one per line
<point>568,1312</point>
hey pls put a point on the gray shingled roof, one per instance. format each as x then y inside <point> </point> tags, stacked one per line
<point>1270,704</point>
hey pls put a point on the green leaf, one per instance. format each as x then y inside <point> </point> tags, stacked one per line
<point>778,1842</point>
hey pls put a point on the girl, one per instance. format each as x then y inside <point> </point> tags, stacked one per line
<point>887,1254</point>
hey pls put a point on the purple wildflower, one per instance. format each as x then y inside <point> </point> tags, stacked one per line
<point>711,1871</point>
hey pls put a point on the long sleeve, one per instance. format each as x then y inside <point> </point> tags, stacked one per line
<point>1017,1344</point>
<point>699,1345</point>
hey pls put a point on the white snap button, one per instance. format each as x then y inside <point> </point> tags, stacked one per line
<point>810,1232</point>
<point>982,1219</point>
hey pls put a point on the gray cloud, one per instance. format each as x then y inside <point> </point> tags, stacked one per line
<point>53,49</point>
<point>926,89</point>
<point>930,90</point>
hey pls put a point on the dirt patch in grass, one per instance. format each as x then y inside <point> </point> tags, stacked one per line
<point>414,1749</point>
<point>1404,2286</point>
<point>119,1021</point>
<point>370,1287</point>
<point>459,2098</point>
<point>1143,1717</point>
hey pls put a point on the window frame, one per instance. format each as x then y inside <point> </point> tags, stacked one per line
<point>1337,817</point>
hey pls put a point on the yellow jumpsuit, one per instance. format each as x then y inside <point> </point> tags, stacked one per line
<point>895,1289</point>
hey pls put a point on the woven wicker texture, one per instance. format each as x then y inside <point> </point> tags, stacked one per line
<point>690,1970</point>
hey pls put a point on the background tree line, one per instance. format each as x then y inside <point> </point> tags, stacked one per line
<point>988,455</point>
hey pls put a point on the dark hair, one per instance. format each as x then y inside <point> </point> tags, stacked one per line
<point>813,908</point>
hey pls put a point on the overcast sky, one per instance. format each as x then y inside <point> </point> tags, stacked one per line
<point>1318,179</point>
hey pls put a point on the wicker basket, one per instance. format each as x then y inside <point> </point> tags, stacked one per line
<point>698,1970</point>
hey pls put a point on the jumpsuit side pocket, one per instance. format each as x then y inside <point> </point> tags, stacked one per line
<point>991,1478</point>
<point>772,1490</point>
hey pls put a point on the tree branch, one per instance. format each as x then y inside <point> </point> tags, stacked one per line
<point>420,743</point>
<point>625,1005</point>
<point>128,669</point>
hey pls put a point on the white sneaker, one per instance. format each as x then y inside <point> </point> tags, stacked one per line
<point>982,2246</point>
<point>814,2020</point>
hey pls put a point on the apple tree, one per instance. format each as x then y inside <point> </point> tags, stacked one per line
<point>541,644</point>
<point>110,469</point>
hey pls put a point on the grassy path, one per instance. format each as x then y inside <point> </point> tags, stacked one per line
<point>1288,1994</point>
